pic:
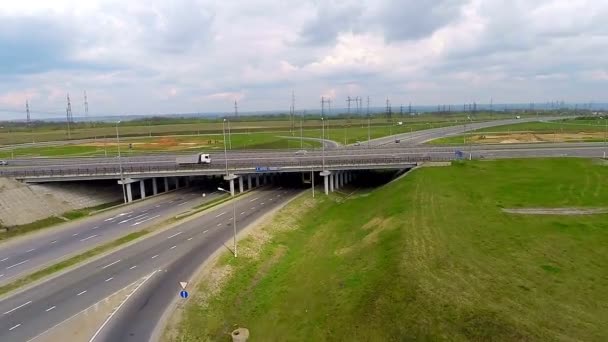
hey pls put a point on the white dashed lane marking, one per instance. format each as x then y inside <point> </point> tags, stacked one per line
<point>49,309</point>
<point>14,327</point>
<point>87,238</point>
<point>17,308</point>
<point>132,267</point>
<point>81,293</point>
<point>17,264</point>
<point>174,235</point>
<point>110,264</point>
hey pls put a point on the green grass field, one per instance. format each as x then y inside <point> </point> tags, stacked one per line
<point>577,130</point>
<point>17,133</point>
<point>429,257</point>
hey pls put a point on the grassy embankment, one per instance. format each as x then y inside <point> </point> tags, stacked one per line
<point>430,257</point>
<point>48,222</point>
<point>572,130</point>
<point>338,130</point>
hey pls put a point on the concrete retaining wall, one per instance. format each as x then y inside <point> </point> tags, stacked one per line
<point>21,203</point>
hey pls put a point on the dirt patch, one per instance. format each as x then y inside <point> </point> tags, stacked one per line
<point>557,211</point>
<point>530,137</point>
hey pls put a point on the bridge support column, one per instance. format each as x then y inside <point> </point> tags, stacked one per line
<point>265,179</point>
<point>166,184</point>
<point>331,182</point>
<point>176,179</point>
<point>343,176</point>
<point>257,181</point>
<point>142,188</point>
<point>154,186</point>
<point>241,184</point>
<point>187,181</point>
<point>231,179</point>
<point>248,182</point>
<point>326,175</point>
<point>129,193</point>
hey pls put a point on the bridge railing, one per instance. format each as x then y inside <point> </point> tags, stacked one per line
<point>234,166</point>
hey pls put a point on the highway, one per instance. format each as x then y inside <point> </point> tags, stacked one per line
<point>23,255</point>
<point>177,251</point>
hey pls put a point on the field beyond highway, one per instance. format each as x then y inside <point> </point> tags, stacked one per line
<point>429,257</point>
<point>570,130</point>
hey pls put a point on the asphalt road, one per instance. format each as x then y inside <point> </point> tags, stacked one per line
<point>178,251</point>
<point>420,137</point>
<point>29,253</point>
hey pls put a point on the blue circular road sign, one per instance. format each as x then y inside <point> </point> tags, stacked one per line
<point>183,294</point>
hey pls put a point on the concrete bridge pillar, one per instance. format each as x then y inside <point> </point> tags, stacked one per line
<point>257,181</point>
<point>241,184</point>
<point>154,186</point>
<point>331,182</point>
<point>129,193</point>
<point>341,179</point>
<point>231,179</point>
<point>187,181</point>
<point>265,181</point>
<point>248,182</point>
<point>176,179</point>
<point>142,188</point>
<point>166,184</point>
<point>326,176</point>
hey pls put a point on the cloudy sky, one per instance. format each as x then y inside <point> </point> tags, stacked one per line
<point>146,57</point>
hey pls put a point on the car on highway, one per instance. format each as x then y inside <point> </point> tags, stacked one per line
<point>200,158</point>
<point>3,162</point>
<point>358,143</point>
<point>397,141</point>
<point>301,152</point>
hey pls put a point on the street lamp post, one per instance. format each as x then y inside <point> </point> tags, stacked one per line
<point>122,178</point>
<point>233,216</point>
<point>225,152</point>
<point>323,141</point>
<point>605,134</point>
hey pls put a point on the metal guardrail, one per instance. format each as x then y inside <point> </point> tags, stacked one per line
<point>273,165</point>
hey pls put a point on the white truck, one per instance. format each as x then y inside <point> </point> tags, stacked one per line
<point>199,158</point>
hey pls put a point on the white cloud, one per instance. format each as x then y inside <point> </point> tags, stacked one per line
<point>200,55</point>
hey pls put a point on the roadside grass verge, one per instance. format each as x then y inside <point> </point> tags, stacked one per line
<point>12,231</point>
<point>70,262</point>
<point>429,257</point>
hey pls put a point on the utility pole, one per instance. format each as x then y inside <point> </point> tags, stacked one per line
<point>68,114</point>
<point>292,111</point>
<point>27,111</point>
<point>369,139</point>
<point>86,106</point>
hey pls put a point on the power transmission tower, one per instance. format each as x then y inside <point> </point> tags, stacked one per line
<point>409,108</point>
<point>389,110</point>
<point>86,106</point>
<point>27,111</point>
<point>348,101</point>
<point>236,109</point>
<point>69,110</point>
<point>292,111</point>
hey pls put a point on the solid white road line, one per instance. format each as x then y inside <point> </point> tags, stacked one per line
<point>14,327</point>
<point>174,235</point>
<point>182,203</point>
<point>172,247</point>
<point>4,259</point>
<point>30,250</point>
<point>81,293</point>
<point>243,213</point>
<point>132,267</point>
<point>49,309</point>
<point>87,238</point>
<point>220,214</point>
<point>219,224</point>
<point>189,239</point>
<point>75,234</point>
<point>107,280</point>
<point>17,308</point>
<point>148,219</point>
<point>253,200</point>
<point>110,264</point>
<point>54,241</point>
<point>17,264</point>
<point>155,256</point>
<point>205,231</point>
<point>119,306</point>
